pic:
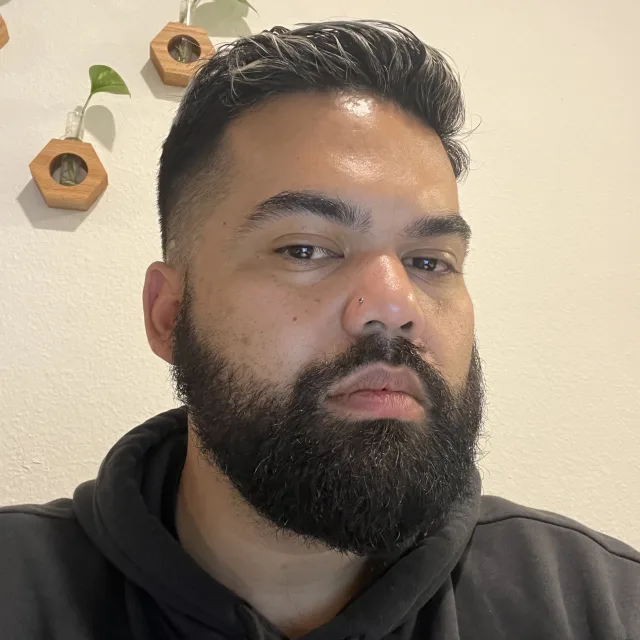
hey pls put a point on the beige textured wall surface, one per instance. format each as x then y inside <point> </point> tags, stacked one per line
<point>552,198</point>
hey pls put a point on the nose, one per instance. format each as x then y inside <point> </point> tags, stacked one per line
<point>383,298</point>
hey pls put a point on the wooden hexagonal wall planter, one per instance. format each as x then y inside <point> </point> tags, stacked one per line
<point>4,33</point>
<point>78,197</point>
<point>172,71</point>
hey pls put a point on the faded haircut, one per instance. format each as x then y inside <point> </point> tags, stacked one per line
<point>377,58</point>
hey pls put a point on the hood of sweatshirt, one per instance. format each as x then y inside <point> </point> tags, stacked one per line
<point>121,512</point>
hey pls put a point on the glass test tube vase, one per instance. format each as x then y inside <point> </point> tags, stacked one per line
<point>67,171</point>
<point>177,49</point>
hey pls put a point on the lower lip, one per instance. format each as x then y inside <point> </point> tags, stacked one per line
<point>378,404</point>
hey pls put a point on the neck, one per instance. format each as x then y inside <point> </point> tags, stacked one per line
<point>295,585</point>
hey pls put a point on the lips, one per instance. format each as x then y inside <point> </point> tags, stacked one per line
<point>380,378</point>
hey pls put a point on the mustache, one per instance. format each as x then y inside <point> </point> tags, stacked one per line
<point>376,348</point>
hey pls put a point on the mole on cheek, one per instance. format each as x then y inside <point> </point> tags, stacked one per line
<point>295,319</point>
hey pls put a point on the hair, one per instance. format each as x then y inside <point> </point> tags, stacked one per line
<point>378,58</point>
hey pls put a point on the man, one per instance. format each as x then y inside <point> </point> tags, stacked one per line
<point>320,480</point>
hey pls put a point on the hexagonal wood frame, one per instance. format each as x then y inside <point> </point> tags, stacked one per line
<point>78,197</point>
<point>4,33</point>
<point>172,72</point>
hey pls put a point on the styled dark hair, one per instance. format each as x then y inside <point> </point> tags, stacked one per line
<point>377,58</point>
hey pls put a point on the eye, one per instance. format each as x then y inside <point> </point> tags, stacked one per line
<point>430,265</point>
<point>305,252</point>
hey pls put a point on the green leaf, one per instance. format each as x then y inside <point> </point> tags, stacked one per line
<point>248,4</point>
<point>105,79</point>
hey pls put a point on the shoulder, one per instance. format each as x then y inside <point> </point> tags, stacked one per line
<point>37,529</point>
<point>503,519</point>
<point>44,546</point>
<point>60,509</point>
<point>22,525</point>
<point>549,570</point>
<point>54,582</point>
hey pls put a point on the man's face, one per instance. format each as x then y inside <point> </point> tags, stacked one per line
<point>278,312</point>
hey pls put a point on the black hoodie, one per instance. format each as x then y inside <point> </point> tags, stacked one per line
<point>108,565</point>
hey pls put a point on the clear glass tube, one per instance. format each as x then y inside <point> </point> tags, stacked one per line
<point>70,170</point>
<point>185,50</point>
<point>74,128</point>
<point>185,11</point>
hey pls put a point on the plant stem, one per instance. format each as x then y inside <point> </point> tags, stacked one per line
<point>68,171</point>
<point>84,110</point>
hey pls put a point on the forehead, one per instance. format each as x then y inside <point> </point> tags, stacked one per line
<point>356,146</point>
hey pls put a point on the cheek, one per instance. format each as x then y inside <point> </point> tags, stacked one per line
<point>450,338</point>
<point>271,330</point>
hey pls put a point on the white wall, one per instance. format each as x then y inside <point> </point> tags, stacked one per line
<point>552,199</point>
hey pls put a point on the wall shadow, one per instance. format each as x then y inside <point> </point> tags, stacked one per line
<point>223,18</point>
<point>100,123</point>
<point>43,217</point>
<point>157,88</point>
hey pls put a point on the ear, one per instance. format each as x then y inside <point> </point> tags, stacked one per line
<point>161,299</point>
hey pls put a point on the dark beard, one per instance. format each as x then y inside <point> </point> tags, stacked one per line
<point>358,486</point>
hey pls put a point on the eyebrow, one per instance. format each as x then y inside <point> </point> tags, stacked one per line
<point>346,214</point>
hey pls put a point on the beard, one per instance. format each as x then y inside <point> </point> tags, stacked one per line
<point>360,486</point>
